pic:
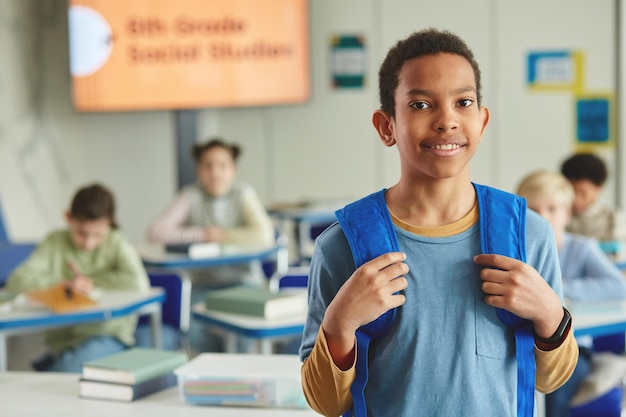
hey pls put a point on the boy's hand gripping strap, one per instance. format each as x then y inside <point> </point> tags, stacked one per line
<point>503,232</point>
<point>370,233</point>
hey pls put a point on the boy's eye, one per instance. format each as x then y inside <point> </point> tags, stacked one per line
<point>466,102</point>
<point>419,105</point>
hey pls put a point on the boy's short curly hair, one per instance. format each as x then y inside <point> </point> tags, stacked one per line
<point>585,166</point>
<point>426,42</point>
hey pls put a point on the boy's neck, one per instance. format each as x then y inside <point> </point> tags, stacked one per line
<point>434,204</point>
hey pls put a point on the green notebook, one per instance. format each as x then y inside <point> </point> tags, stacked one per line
<point>257,302</point>
<point>133,366</point>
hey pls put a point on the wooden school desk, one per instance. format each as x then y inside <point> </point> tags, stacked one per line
<point>263,332</point>
<point>111,304</point>
<point>303,218</point>
<point>599,318</point>
<point>155,256</point>
<point>30,394</point>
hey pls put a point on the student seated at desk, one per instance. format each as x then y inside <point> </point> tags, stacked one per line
<point>216,208</point>
<point>591,216</point>
<point>90,253</point>
<point>588,274</point>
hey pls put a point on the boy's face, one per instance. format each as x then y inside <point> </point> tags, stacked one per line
<point>88,234</point>
<point>438,124</point>
<point>585,194</point>
<point>216,171</point>
<point>552,210</point>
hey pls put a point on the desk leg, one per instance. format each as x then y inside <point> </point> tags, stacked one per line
<point>156,328</point>
<point>185,308</point>
<point>287,228</point>
<point>266,346</point>
<point>230,342</point>
<point>282,259</point>
<point>304,231</point>
<point>3,352</point>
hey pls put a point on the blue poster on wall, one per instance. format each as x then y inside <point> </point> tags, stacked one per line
<point>593,120</point>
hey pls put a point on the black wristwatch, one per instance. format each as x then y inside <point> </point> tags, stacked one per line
<point>561,331</point>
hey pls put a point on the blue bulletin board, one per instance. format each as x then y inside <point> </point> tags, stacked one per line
<point>593,120</point>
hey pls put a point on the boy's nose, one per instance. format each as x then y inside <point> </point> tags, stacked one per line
<point>445,119</point>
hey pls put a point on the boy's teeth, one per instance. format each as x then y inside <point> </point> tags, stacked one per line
<point>446,147</point>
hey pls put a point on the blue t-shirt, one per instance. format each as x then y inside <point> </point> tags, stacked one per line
<point>447,354</point>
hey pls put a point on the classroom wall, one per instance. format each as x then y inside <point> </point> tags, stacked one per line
<point>323,149</point>
<point>538,129</point>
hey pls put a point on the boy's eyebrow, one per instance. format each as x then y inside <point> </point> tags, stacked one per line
<point>417,91</point>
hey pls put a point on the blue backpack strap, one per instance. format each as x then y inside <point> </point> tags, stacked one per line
<point>503,232</point>
<point>369,230</point>
<point>370,233</point>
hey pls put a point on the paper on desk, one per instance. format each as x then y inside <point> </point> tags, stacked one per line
<point>57,300</point>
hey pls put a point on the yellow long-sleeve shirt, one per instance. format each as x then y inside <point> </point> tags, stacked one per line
<point>327,388</point>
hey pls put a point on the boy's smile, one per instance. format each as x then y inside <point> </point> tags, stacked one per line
<point>438,123</point>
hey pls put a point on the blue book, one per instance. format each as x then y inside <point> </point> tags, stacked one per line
<point>124,392</point>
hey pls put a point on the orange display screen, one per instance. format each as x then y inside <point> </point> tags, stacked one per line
<point>174,54</point>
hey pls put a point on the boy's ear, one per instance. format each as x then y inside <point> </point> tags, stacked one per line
<point>484,115</point>
<point>68,216</point>
<point>383,123</point>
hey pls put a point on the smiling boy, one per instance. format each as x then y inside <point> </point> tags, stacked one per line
<point>446,354</point>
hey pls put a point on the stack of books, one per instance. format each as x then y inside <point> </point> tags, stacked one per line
<point>130,374</point>
<point>195,250</point>
<point>259,302</point>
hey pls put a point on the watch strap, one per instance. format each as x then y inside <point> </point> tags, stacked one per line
<point>559,335</point>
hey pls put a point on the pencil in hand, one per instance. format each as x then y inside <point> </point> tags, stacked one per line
<point>75,272</point>
<point>78,283</point>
